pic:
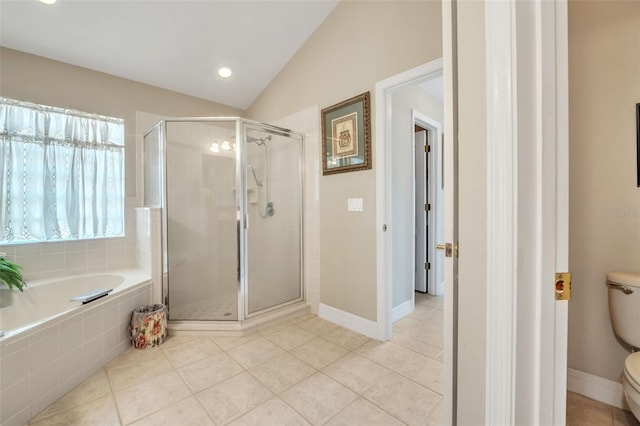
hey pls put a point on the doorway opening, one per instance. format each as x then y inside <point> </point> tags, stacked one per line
<point>428,200</point>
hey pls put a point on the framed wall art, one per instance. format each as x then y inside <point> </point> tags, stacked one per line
<point>346,136</point>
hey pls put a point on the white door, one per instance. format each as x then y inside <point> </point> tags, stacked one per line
<point>422,229</point>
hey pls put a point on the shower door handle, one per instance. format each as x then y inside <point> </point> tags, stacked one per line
<point>246,221</point>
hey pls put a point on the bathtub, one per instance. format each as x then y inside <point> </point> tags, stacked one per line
<point>50,345</point>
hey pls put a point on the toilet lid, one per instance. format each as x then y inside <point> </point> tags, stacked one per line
<point>625,278</point>
<point>632,368</point>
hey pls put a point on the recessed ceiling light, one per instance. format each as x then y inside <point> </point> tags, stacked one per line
<point>47,1</point>
<point>224,72</point>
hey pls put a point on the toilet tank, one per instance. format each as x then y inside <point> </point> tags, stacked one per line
<point>624,305</point>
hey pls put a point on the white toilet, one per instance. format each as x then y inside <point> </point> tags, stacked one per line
<point>624,309</point>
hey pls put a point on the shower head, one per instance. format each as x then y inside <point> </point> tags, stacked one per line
<point>253,172</point>
<point>258,141</point>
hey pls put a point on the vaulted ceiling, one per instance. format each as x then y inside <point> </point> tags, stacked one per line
<point>174,44</point>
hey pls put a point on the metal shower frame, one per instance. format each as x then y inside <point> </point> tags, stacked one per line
<point>241,127</point>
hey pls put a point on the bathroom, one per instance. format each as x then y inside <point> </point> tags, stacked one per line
<point>595,236</point>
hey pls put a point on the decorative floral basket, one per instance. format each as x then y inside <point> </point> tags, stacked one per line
<point>148,327</point>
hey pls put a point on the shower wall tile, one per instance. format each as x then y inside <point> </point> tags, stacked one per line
<point>149,247</point>
<point>308,122</point>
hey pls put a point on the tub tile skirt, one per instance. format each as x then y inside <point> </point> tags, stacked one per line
<point>43,363</point>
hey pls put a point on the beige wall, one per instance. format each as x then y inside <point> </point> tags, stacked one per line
<point>604,232</point>
<point>359,44</point>
<point>472,207</point>
<point>35,79</point>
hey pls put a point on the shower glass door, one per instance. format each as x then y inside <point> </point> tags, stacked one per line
<point>274,213</point>
<point>201,221</point>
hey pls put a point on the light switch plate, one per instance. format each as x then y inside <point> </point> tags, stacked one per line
<point>354,204</point>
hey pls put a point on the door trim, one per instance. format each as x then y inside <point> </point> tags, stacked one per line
<point>383,187</point>
<point>527,206</point>
<point>434,169</point>
<point>384,267</point>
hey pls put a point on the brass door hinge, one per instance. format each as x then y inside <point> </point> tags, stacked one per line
<point>427,207</point>
<point>562,286</point>
<point>427,148</point>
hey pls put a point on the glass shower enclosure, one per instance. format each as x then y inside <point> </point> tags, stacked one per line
<point>230,190</point>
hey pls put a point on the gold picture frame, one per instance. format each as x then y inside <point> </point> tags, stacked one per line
<point>346,136</point>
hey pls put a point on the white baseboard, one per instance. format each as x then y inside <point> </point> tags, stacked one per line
<point>348,320</point>
<point>401,310</point>
<point>595,387</point>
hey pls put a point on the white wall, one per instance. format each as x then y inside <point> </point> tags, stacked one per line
<point>604,221</point>
<point>403,101</point>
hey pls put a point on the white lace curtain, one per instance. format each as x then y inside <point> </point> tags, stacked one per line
<point>61,174</point>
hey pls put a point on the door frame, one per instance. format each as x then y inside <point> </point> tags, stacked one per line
<point>527,211</point>
<point>384,267</point>
<point>434,197</point>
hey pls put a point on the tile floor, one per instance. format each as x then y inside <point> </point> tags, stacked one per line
<point>304,371</point>
<point>582,411</point>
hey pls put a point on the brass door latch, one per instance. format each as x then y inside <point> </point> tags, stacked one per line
<point>563,286</point>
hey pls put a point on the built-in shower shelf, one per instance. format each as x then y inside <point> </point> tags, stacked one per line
<point>252,195</point>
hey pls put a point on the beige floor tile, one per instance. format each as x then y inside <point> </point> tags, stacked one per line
<point>93,388</point>
<point>406,323</point>
<point>302,318</point>
<point>578,421</point>
<point>273,412</point>
<point>290,337</point>
<point>319,352</point>
<point>436,417</point>
<point>424,371</point>
<point>356,372</point>
<point>414,345</point>
<point>429,300</point>
<point>209,371</point>
<point>173,341</point>
<point>282,372</point>
<point>138,356</point>
<point>435,317</point>
<point>420,312</point>
<point>187,412</point>
<point>254,352</point>
<point>318,398</point>
<point>363,413</point>
<point>135,371</point>
<point>190,351</point>
<point>146,398</point>
<point>228,342</point>
<point>418,368</point>
<point>404,399</point>
<point>232,398</point>
<point>317,325</point>
<point>581,407</point>
<point>346,338</point>
<point>427,333</point>
<point>99,412</point>
<point>624,418</point>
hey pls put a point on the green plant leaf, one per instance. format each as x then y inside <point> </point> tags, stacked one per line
<point>10,275</point>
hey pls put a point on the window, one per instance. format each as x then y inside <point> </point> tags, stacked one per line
<point>61,174</point>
